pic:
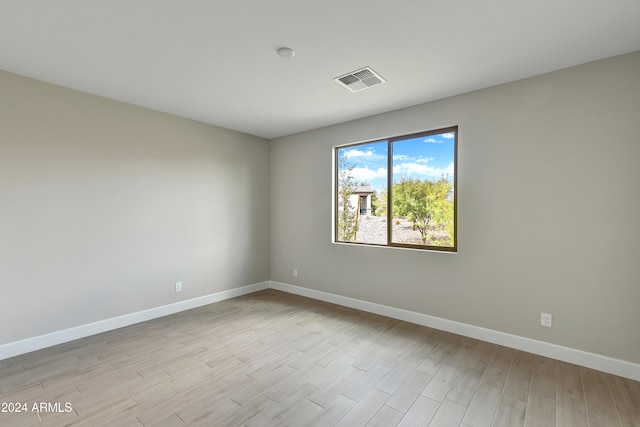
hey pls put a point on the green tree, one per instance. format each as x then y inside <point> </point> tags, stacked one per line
<point>347,215</point>
<point>379,203</point>
<point>426,204</point>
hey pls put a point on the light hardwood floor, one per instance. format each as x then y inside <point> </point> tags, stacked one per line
<point>275,359</point>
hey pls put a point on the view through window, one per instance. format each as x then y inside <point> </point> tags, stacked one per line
<point>398,191</point>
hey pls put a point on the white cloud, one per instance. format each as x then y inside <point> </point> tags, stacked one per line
<point>425,159</point>
<point>407,158</point>
<point>358,153</point>
<point>367,175</point>
<point>448,135</point>
<point>420,170</point>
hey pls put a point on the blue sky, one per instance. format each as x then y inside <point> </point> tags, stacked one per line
<point>428,157</point>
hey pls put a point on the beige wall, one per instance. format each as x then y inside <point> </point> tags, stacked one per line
<point>104,206</point>
<point>549,211</point>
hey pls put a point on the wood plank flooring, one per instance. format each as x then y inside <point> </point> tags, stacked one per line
<point>275,359</point>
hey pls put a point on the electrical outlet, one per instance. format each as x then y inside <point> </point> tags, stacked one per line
<point>546,320</point>
<point>295,272</point>
<point>178,286</point>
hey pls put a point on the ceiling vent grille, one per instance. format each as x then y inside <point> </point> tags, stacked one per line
<point>361,79</point>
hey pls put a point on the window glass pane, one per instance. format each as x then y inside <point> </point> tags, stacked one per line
<point>423,172</point>
<point>361,193</point>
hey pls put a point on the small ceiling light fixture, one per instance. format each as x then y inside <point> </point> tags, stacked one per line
<point>286,52</point>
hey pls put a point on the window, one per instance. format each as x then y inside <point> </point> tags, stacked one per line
<point>398,192</point>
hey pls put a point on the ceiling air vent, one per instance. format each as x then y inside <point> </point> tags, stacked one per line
<point>358,80</point>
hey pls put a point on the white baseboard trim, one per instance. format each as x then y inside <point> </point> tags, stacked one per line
<point>36,343</point>
<point>578,357</point>
<point>566,354</point>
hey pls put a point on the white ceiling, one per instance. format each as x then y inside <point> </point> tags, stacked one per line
<point>215,60</point>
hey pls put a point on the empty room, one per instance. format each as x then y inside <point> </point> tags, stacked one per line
<point>287,213</point>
